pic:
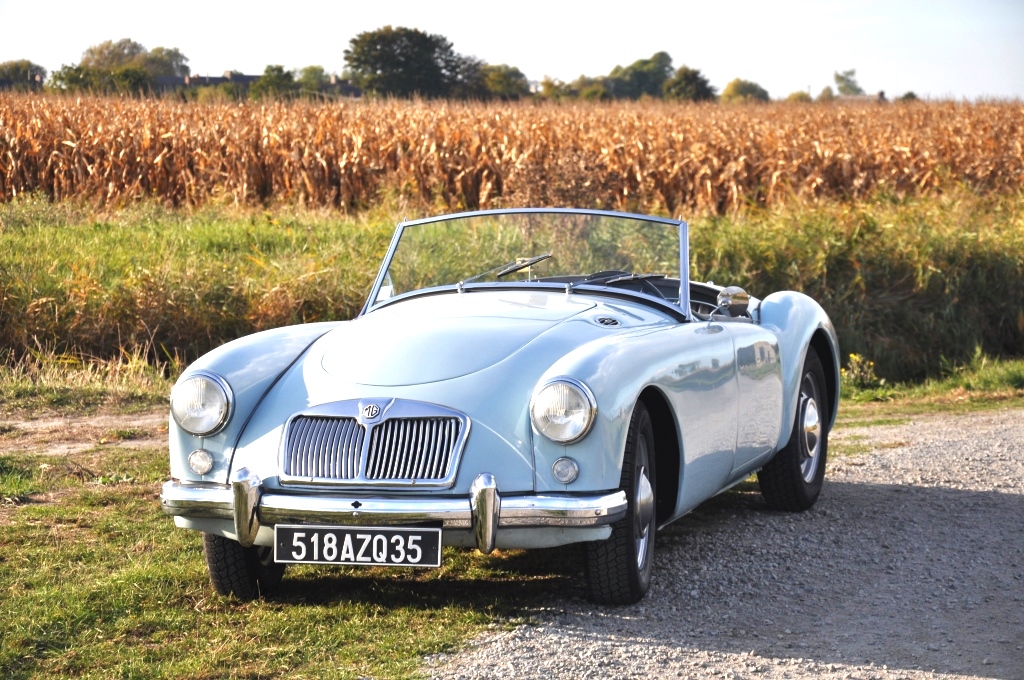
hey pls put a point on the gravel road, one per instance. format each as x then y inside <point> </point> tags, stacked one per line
<point>911,565</point>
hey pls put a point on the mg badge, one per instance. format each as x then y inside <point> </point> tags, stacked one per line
<point>371,411</point>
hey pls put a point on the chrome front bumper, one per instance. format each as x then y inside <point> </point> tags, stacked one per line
<point>484,511</point>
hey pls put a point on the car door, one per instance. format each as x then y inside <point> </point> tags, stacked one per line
<point>758,391</point>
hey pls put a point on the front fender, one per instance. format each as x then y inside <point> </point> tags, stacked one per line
<point>800,322</point>
<point>696,373</point>
<point>250,366</point>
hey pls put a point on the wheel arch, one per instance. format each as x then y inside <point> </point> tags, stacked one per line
<point>822,346</point>
<point>801,324</point>
<point>667,455</point>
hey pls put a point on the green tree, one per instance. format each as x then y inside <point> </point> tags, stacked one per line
<point>21,75</point>
<point>826,95</point>
<point>846,83</point>
<point>403,62</point>
<point>124,66</point>
<point>133,80</point>
<point>274,83</point>
<point>744,91</point>
<point>125,79</point>
<point>592,89</point>
<point>907,97</point>
<point>163,61</point>
<point>506,82</point>
<point>642,77</point>
<point>109,55</point>
<point>312,80</point>
<point>468,78</point>
<point>554,89</point>
<point>799,96</point>
<point>689,84</point>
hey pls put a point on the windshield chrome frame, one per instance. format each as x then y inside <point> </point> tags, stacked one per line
<point>684,244</point>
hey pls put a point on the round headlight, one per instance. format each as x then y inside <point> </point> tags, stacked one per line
<point>200,404</point>
<point>563,410</point>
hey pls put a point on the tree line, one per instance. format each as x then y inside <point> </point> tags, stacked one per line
<point>388,62</point>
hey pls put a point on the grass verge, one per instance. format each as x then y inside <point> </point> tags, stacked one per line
<point>97,582</point>
<point>906,281</point>
<point>47,383</point>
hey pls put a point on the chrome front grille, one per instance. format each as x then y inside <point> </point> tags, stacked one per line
<point>377,443</point>
<point>329,448</point>
<point>416,448</point>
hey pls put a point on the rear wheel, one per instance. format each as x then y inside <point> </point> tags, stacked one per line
<point>245,573</point>
<point>619,569</point>
<point>792,480</point>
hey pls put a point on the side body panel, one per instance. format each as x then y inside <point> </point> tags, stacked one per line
<point>759,386</point>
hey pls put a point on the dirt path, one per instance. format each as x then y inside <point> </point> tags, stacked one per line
<point>67,435</point>
<point>910,566</point>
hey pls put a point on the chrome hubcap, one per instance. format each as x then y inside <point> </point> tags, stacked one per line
<point>810,419</point>
<point>644,499</point>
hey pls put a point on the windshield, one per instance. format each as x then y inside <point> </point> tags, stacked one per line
<point>555,247</point>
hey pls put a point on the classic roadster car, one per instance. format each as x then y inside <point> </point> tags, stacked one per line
<point>516,379</point>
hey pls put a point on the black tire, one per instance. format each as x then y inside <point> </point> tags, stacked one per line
<point>619,568</point>
<point>246,573</point>
<point>792,480</point>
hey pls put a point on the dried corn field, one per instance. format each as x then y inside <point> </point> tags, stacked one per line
<point>654,157</point>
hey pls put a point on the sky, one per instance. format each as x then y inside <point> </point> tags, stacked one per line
<point>940,49</point>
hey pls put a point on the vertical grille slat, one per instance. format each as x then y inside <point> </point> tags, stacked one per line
<point>324,448</point>
<point>399,450</point>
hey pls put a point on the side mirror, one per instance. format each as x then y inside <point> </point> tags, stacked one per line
<point>734,300</point>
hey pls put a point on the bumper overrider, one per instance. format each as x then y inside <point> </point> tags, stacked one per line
<point>484,511</point>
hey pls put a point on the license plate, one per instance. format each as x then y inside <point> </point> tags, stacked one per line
<point>366,546</point>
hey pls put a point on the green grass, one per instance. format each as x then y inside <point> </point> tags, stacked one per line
<point>979,384</point>
<point>98,582</point>
<point>174,282</point>
<point>909,283</point>
<point>42,383</point>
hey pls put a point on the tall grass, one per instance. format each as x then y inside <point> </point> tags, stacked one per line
<point>176,282</point>
<point>909,283</point>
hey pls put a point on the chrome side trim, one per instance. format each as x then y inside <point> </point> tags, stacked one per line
<point>262,508</point>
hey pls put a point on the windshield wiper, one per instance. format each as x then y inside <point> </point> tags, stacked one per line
<point>521,263</point>
<point>507,268</point>
<point>609,277</point>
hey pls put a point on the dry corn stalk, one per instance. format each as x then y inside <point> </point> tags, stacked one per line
<point>651,156</point>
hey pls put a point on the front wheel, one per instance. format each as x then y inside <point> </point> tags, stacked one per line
<point>792,480</point>
<point>619,568</point>
<point>245,573</point>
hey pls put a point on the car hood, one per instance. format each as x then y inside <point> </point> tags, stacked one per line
<point>440,337</point>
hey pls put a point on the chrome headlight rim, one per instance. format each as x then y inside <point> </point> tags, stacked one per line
<point>580,387</point>
<point>229,399</point>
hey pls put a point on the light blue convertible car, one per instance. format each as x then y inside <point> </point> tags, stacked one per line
<point>516,379</point>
